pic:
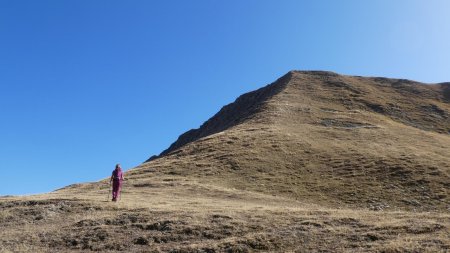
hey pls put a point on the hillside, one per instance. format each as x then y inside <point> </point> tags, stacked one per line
<point>314,162</point>
<point>328,139</point>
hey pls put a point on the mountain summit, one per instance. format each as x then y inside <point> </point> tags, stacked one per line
<point>414,104</point>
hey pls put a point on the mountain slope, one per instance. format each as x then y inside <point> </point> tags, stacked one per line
<point>326,138</point>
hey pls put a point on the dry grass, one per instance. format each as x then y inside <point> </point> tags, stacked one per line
<point>172,219</point>
<point>315,162</point>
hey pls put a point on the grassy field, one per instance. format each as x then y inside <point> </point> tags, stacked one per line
<point>177,214</point>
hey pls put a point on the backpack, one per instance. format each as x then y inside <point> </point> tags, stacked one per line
<point>116,174</point>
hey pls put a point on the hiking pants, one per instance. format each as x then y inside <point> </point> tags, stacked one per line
<point>117,185</point>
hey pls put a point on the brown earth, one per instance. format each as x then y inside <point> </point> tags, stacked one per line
<point>314,162</point>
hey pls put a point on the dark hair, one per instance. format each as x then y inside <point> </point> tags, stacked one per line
<point>118,166</point>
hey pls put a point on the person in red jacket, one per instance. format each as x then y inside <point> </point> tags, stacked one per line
<point>116,179</point>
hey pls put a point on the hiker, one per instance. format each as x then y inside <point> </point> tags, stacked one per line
<point>116,179</point>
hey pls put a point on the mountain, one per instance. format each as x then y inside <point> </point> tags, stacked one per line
<point>382,95</point>
<point>329,139</point>
<point>313,162</point>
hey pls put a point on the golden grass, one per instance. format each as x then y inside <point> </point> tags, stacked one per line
<point>170,218</point>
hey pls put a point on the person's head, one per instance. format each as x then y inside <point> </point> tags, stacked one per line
<point>118,166</point>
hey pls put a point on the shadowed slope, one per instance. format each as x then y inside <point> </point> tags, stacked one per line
<point>445,87</point>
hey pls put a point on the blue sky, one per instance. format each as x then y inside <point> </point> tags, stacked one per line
<point>86,84</point>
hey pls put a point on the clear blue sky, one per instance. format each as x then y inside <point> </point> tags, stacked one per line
<point>86,84</point>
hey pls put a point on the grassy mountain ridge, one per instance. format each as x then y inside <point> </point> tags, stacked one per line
<point>248,104</point>
<point>232,114</point>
